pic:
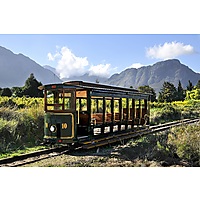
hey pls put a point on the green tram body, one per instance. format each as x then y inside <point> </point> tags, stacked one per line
<point>77,109</point>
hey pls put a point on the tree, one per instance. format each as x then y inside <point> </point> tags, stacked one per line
<point>17,91</point>
<point>189,86</point>
<point>168,93</point>
<point>148,89</point>
<point>194,94</point>
<point>198,85</point>
<point>6,92</point>
<point>31,87</point>
<point>180,92</point>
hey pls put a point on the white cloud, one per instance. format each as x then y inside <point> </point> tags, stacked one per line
<point>102,70</point>
<point>52,57</point>
<point>68,64</point>
<point>169,50</point>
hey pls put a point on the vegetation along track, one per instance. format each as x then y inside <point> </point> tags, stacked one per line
<point>44,154</point>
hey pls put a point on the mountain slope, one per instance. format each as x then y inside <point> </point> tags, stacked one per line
<point>155,75</point>
<point>86,77</point>
<point>16,68</point>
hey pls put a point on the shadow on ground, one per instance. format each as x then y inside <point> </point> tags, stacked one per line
<point>146,149</point>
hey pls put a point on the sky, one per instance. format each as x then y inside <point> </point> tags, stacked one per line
<point>101,37</point>
<point>104,54</point>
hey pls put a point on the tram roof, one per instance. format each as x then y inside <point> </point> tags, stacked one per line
<point>90,85</point>
<point>97,88</point>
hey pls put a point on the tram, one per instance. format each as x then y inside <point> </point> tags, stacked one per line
<point>75,110</point>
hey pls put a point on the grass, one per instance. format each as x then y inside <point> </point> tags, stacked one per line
<point>14,153</point>
<point>185,142</point>
<point>20,127</point>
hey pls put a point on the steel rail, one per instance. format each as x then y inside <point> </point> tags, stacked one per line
<point>129,135</point>
<point>36,156</point>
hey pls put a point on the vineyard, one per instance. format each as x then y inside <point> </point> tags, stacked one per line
<point>21,124</point>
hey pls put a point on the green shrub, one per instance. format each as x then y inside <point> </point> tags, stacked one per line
<point>20,128</point>
<point>167,113</point>
<point>185,141</point>
<point>164,112</point>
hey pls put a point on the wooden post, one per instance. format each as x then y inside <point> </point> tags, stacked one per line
<point>127,113</point>
<point>104,113</point>
<point>133,114</point>
<point>89,109</point>
<point>112,116</point>
<point>120,114</point>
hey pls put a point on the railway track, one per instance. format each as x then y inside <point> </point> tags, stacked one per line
<point>131,134</point>
<point>97,142</point>
<point>23,159</point>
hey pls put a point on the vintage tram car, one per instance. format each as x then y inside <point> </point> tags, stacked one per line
<point>75,110</point>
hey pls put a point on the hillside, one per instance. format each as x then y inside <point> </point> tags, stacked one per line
<point>16,68</point>
<point>155,75</point>
<point>86,77</point>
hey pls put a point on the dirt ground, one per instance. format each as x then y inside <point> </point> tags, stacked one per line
<point>134,153</point>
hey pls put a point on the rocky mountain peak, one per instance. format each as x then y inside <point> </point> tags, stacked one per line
<point>16,68</point>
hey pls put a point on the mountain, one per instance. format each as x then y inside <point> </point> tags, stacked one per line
<point>16,68</point>
<point>86,77</point>
<point>154,75</point>
<point>51,69</point>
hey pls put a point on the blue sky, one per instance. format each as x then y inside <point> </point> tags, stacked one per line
<point>104,54</point>
<point>101,37</point>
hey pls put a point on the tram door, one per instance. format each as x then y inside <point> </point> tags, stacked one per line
<point>82,113</point>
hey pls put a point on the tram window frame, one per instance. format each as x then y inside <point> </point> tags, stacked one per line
<point>124,108</point>
<point>108,109</point>
<point>55,100</point>
<point>97,110</point>
<point>137,107</point>
<point>116,109</point>
<point>130,107</point>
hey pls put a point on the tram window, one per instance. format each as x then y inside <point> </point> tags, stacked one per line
<point>137,107</point>
<point>54,99</point>
<point>116,110</point>
<point>130,102</point>
<point>81,104</point>
<point>94,105</point>
<point>100,106</point>
<point>108,116</point>
<point>77,105</point>
<point>137,104</point>
<point>124,108</point>
<point>142,103</point>
<point>97,110</point>
<point>67,100</point>
<point>108,106</point>
<point>58,100</point>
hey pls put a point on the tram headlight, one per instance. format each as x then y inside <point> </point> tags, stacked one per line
<point>53,128</point>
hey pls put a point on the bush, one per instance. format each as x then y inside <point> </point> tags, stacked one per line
<point>20,128</point>
<point>185,141</point>
<point>164,112</point>
<point>167,113</point>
